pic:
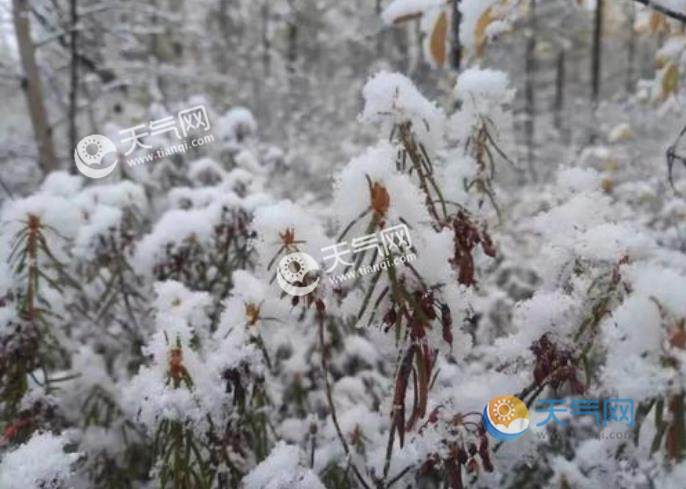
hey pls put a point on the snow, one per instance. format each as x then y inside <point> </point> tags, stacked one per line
<point>174,317</point>
<point>282,470</point>
<point>181,322</point>
<point>236,124</point>
<point>471,11</point>
<point>488,83</point>
<point>398,9</point>
<point>664,284</point>
<point>546,312</point>
<point>39,463</point>
<point>100,222</point>
<point>206,169</point>
<point>272,221</point>
<point>61,184</point>
<point>392,98</point>
<point>485,96</point>
<point>351,194</point>
<point>633,332</point>
<point>576,180</point>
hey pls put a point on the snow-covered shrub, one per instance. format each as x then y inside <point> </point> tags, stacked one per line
<point>40,463</point>
<point>148,327</point>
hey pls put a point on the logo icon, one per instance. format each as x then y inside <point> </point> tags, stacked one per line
<point>292,271</point>
<point>90,154</point>
<point>506,418</point>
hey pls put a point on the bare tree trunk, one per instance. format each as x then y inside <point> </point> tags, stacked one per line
<point>266,43</point>
<point>225,29</point>
<point>530,68</point>
<point>401,40</point>
<point>597,52</point>
<point>380,36</point>
<point>73,78</point>
<point>105,74</point>
<point>559,90</point>
<point>292,33</point>
<point>33,87</point>
<point>456,48</point>
<point>419,37</point>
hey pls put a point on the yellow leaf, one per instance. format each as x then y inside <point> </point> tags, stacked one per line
<point>480,31</point>
<point>438,38</point>
<point>670,81</point>
<point>658,23</point>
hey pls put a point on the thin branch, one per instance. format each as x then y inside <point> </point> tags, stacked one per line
<point>399,476</point>
<point>329,397</point>
<point>673,157</point>
<point>6,189</point>
<point>681,17</point>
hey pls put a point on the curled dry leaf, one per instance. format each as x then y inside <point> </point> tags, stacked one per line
<point>480,31</point>
<point>380,199</point>
<point>176,369</point>
<point>252,312</point>
<point>401,383</point>
<point>438,39</point>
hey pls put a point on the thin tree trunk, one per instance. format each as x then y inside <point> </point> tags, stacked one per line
<point>402,42</point>
<point>266,43</point>
<point>33,87</point>
<point>631,51</point>
<point>456,48</point>
<point>292,33</point>
<point>73,78</point>
<point>530,126</point>
<point>419,37</point>
<point>559,90</point>
<point>380,36</point>
<point>225,29</point>
<point>105,74</point>
<point>597,52</point>
<point>292,46</point>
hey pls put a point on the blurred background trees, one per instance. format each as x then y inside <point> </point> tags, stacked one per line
<point>298,66</point>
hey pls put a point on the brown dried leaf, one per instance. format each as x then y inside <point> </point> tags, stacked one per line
<point>407,17</point>
<point>252,312</point>
<point>447,324</point>
<point>453,470</point>
<point>677,336</point>
<point>480,31</point>
<point>401,383</point>
<point>437,40</point>
<point>380,199</point>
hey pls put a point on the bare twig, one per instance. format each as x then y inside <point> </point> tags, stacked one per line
<point>329,398</point>
<point>399,476</point>
<point>663,10</point>
<point>673,157</point>
<point>6,189</point>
